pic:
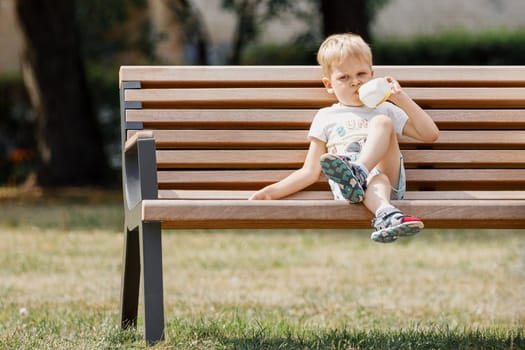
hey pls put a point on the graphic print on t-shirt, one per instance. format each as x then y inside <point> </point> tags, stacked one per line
<point>347,137</point>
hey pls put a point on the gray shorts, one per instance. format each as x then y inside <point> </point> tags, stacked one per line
<point>398,192</point>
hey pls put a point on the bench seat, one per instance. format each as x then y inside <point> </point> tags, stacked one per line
<point>327,213</point>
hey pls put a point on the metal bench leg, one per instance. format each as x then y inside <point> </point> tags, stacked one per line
<point>129,297</point>
<point>151,261</point>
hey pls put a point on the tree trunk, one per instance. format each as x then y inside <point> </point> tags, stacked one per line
<point>70,145</point>
<point>183,27</point>
<point>342,16</point>
<point>245,30</point>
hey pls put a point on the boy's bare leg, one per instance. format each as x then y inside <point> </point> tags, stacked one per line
<point>382,150</point>
<point>378,193</point>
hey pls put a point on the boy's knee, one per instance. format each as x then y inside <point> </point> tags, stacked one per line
<point>382,121</point>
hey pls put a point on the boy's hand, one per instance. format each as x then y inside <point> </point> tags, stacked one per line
<point>260,195</point>
<point>397,92</point>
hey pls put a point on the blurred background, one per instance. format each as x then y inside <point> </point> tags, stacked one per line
<point>59,61</point>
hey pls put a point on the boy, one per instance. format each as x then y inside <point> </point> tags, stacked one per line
<point>356,146</point>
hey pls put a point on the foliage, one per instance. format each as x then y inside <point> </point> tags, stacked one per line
<point>373,6</point>
<point>455,47</point>
<point>274,54</point>
<point>251,17</point>
<point>104,36</point>
<point>193,31</point>
<point>16,124</point>
<point>266,9</point>
<point>16,131</point>
<point>103,83</point>
<point>103,31</point>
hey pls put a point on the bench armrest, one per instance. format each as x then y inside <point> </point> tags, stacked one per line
<point>132,141</point>
<point>139,172</point>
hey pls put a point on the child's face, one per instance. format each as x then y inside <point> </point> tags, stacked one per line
<point>346,78</point>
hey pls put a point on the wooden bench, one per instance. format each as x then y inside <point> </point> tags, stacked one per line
<point>197,141</point>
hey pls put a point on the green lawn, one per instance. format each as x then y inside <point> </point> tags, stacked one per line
<point>61,261</point>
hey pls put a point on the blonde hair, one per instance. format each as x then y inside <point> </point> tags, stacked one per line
<point>338,47</point>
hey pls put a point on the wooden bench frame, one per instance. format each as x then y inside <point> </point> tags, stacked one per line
<point>197,141</point>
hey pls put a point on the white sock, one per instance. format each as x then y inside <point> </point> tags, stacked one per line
<point>385,209</point>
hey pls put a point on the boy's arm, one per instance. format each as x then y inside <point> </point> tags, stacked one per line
<point>420,125</point>
<point>299,179</point>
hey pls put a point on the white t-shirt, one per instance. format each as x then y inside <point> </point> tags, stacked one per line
<point>344,128</point>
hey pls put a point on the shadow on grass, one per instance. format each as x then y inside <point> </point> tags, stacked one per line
<point>216,335</point>
<point>382,340</point>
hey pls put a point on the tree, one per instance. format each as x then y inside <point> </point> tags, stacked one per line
<point>340,16</point>
<point>246,28</point>
<point>251,15</point>
<point>69,143</point>
<point>193,29</point>
<point>345,16</point>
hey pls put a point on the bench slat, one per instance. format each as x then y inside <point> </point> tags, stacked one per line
<point>318,97</point>
<point>480,139</point>
<point>327,195</point>
<point>455,75</point>
<point>222,76</point>
<point>224,159</point>
<point>465,158</point>
<point>327,213</point>
<point>468,97</point>
<point>195,139</point>
<point>232,177</point>
<point>478,118</point>
<point>232,97</point>
<point>223,118</point>
<point>512,178</point>
<point>206,139</point>
<point>301,118</point>
<point>437,179</point>
<point>311,75</point>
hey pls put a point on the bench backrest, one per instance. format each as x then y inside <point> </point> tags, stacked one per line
<point>223,132</point>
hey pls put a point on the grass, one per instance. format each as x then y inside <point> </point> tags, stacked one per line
<point>61,260</point>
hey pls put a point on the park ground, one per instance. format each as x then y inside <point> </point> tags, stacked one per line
<point>287,289</point>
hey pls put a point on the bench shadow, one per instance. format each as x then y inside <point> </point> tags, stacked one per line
<point>377,339</point>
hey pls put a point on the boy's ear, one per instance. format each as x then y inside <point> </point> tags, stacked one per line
<point>328,85</point>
